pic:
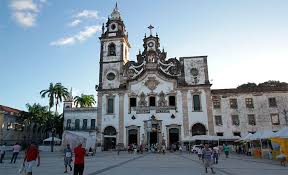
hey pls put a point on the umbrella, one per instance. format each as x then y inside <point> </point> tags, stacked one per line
<point>260,135</point>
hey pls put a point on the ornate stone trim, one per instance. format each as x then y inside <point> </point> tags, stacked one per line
<point>151,83</point>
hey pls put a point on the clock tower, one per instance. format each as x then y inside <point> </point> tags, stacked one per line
<point>114,51</point>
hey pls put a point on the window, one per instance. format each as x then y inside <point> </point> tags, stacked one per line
<point>235,120</point>
<point>112,50</point>
<point>196,103</point>
<point>93,124</point>
<point>251,119</point>
<point>219,133</point>
<point>133,102</point>
<point>110,76</point>
<point>216,104</point>
<point>110,106</point>
<point>249,102</point>
<point>237,134</point>
<point>172,101</point>
<point>68,124</point>
<point>77,124</point>
<point>275,119</point>
<point>272,102</point>
<point>152,101</point>
<point>218,120</point>
<point>252,132</point>
<point>233,103</point>
<point>84,126</point>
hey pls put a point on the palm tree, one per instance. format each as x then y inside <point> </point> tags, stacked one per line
<point>84,100</point>
<point>55,92</point>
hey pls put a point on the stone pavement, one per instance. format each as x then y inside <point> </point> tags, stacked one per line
<point>109,163</point>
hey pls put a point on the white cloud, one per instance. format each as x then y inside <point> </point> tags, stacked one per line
<point>25,12</point>
<point>74,23</point>
<point>83,35</point>
<point>88,14</point>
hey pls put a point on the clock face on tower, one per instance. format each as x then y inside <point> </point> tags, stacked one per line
<point>150,44</point>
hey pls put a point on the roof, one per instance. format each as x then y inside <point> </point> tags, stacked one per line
<point>9,110</point>
<point>250,90</point>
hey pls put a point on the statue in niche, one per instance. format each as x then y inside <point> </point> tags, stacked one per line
<point>162,101</point>
<point>142,101</point>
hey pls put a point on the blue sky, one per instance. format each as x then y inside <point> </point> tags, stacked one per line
<point>43,41</point>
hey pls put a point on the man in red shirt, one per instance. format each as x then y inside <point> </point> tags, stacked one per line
<point>31,155</point>
<point>79,160</point>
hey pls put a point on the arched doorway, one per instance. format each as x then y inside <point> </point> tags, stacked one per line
<point>133,136</point>
<point>198,129</point>
<point>173,136</point>
<point>109,138</point>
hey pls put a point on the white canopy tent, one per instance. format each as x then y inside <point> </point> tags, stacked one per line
<point>282,133</point>
<point>74,138</point>
<point>244,139</point>
<point>50,139</point>
<point>261,135</point>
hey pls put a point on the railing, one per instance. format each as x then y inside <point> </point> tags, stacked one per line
<point>157,109</point>
<point>80,129</point>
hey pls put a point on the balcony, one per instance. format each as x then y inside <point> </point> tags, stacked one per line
<point>157,109</point>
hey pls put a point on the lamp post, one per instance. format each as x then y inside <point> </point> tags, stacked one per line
<point>52,141</point>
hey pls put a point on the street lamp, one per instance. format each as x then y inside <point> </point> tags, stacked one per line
<point>52,141</point>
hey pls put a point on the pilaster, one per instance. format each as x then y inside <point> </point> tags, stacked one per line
<point>185,113</point>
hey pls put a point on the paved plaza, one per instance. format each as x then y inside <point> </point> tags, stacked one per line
<point>109,163</point>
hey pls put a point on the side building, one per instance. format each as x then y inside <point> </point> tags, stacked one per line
<point>241,111</point>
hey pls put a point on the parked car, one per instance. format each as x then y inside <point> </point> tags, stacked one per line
<point>195,148</point>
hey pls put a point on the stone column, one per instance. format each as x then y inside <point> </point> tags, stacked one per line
<point>209,111</point>
<point>121,118</point>
<point>185,113</point>
<point>99,118</point>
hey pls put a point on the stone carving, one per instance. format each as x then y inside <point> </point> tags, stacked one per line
<point>151,83</point>
<point>196,92</point>
<point>162,101</point>
<point>142,101</point>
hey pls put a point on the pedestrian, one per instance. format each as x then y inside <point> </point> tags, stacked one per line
<point>199,153</point>
<point>226,150</point>
<point>2,152</point>
<point>67,158</point>
<point>79,160</point>
<point>207,154</point>
<point>215,154</point>
<point>16,149</point>
<point>31,154</point>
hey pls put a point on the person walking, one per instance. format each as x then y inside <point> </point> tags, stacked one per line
<point>226,150</point>
<point>79,160</point>
<point>67,158</point>
<point>2,152</point>
<point>199,153</point>
<point>215,154</point>
<point>32,153</point>
<point>207,154</point>
<point>16,149</point>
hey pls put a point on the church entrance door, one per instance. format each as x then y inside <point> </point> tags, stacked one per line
<point>109,138</point>
<point>153,138</point>
<point>132,136</point>
<point>173,136</point>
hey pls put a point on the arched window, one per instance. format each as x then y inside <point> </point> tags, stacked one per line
<point>110,130</point>
<point>77,124</point>
<point>112,50</point>
<point>198,129</point>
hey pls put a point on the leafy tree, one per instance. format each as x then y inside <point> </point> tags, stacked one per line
<point>247,85</point>
<point>272,83</point>
<point>56,93</point>
<point>36,114</point>
<point>84,100</point>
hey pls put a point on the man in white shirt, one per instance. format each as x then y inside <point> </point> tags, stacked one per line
<point>2,152</point>
<point>16,150</point>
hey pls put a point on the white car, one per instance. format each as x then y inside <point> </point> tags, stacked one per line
<point>195,148</point>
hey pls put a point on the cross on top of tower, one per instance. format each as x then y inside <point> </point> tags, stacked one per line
<point>150,28</point>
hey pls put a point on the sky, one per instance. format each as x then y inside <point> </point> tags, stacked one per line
<point>43,41</point>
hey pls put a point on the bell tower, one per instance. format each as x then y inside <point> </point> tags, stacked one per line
<point>114,51</point>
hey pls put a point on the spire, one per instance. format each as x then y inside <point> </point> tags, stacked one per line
<point>150,28</point>
<point>70,98</point>
<point>116,13</point>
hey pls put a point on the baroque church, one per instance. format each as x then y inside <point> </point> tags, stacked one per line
<point>157,99</point>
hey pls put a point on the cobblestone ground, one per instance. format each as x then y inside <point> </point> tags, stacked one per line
<point>109,163</point>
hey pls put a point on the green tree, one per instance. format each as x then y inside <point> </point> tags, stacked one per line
<point>56,93</point>
<point>36,114</point>
<point>84,100</point>
<point>272,83</point>
<point>247,85</point>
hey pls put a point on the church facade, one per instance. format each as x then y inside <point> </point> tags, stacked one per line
<point>154,99</point>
